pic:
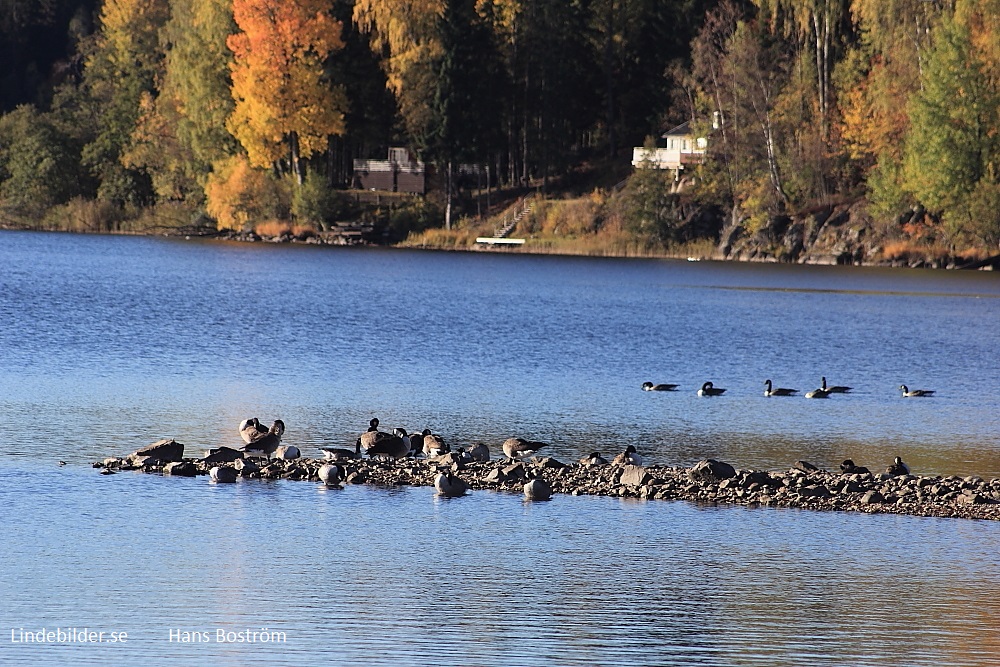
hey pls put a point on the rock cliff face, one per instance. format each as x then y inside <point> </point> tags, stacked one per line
<point>840,234</point>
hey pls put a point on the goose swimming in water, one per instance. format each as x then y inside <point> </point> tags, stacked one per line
<point>649,386</point>
<point>898,468</point>
<point>709,389</point>
<point>818,393</point>
<point>251,429</point>
<point>916,393</point>
<point>629,457</point>
<point>780,391</point>
<point>264,446</point>
<point>836,389</point>
<point>449,485</point>
<point>518,448</point>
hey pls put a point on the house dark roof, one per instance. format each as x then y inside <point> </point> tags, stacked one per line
<point>681,130</point>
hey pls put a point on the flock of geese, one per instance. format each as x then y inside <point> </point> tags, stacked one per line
<point>823,391</point>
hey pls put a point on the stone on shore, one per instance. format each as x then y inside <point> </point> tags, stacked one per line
<point>635,476</point>
<point>165,450</point>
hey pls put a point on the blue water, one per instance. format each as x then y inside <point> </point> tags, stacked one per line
<point>110,343</point>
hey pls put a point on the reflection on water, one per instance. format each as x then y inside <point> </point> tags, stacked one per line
<point>368,575</point>
<point>112,343</point>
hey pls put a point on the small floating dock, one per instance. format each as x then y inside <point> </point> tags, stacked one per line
<point>494,240</point>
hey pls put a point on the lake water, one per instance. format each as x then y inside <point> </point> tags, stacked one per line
<point>110,343</point>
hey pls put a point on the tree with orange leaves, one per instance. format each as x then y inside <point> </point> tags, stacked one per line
<point>285,104</point>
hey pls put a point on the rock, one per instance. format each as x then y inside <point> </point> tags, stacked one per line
<point>872,497</point>
<point>357,477</point>
<point>222,455</point>
<point>180,469</point>
<point>164,450</point>
<point>330,474</point>
<point>634,476</point>
<point>710,470</point>
<point>515,471</point>
<point>805,466</point>
<point>222,474</point>
<point>246,465</point>
<point>549,462</point>
<point>537,489</point>
<point>815,491</point>
<point>287,452</point>
<point>495,476</point>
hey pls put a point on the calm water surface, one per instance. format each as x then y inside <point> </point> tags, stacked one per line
<point>111,343</point>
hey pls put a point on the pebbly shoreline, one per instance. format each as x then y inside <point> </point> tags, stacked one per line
<point>709,481</point>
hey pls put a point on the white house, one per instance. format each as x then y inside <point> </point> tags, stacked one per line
<point>682,148</point>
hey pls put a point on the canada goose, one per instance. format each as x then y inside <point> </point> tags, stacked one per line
<point>265,445</point>
<point>518,448</point>
<point>848,468</point>
<point>916,392</point>
<point>836,389</point>
<point>251,429</point>
<point>898,468</point>
<point>330,474</point>
<point>434,445</point>
<point>781,391</point>
<point>338,453</point>
<point>818,393</point>
<point>222,474</point>
<point>479,453</point>
<point>401,433</point>
<point>537,489</point>
<point>594,459</point>
<point>649,386</point>
<point>370,437</point>
<point>708,389</point>
<point>389,446</point>
<point>628,457</point>
<point>449,485</point>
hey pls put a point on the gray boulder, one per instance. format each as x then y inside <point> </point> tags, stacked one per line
<point>635,476</point>
<point>180,469</point>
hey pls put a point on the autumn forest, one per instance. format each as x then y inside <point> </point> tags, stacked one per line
<point>224,114</point>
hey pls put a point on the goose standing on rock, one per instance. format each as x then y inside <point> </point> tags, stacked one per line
<point>393,446</point>
<point>629,457</point>
<point>836,389</point>
<point>898,468</point>
<point>780,391</point>
<point>479,453</point>
<point>369,437</point>
<point>251,429</point>
<point>916,393</point>
<point>709,389</point>
<point>434,445</point>
<point>518,448</point>
<point>264,446</point>
<point>649,386</point>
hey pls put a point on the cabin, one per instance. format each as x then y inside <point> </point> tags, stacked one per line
<point>682,148</point>
<point>399,173</point>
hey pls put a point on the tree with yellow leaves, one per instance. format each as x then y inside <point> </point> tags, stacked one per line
<point>285,106</point>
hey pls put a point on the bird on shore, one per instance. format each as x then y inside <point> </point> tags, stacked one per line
<point>338,453</point>
<point>709,389</point>
<point>629,457</point>
<point>519,448</point>
<point>368,439</point>
<point>898,468</point>
<point>594,459</point>
<point>450,485</point>
<point>264,446</point>
<point>434,445</point>
<point>836,389</point>
<point>392,445</point>
<point>915,393</point>
<point>251,429</point>
<point>780,391</point>
<point>479,453</point>
<point>649,386</point>
<point>848,468</point>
